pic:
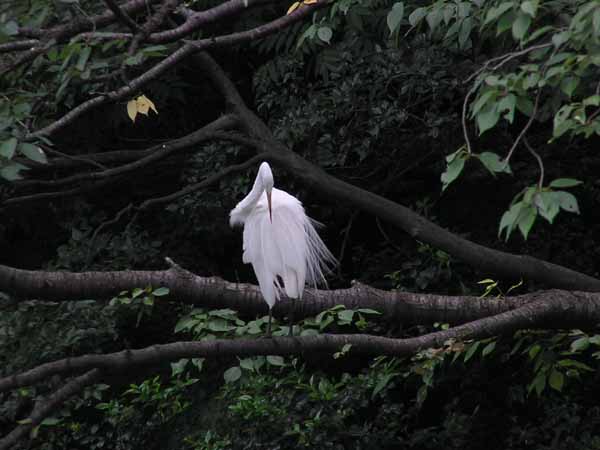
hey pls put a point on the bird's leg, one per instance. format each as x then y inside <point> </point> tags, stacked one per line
<point>269,324</point>
<point>291,316</point>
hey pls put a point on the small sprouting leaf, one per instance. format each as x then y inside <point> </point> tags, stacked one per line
<point>161,291</point>
<point>132,109</point>
<point>232,374</point>
<point>7,148</point>
<point>293,8</point>
<point>565,183</point>
<point>395,16</point>
<point>325,34</point>
<point>275,360</point>
<point>32,152</point>
<point>556,380</point>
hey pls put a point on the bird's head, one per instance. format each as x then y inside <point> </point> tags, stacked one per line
<point>266,176</point>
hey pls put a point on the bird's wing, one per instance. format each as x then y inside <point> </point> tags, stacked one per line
<point>277,249</point>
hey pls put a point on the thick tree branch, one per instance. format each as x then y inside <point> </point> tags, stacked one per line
<point>529,315</point>
<point>215,292</point>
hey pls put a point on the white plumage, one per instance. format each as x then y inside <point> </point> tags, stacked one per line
<point>280,240</point>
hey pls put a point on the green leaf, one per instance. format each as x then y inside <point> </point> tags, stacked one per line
<point>453,170</point>
<point>232,374</point>
<point>325,34</point>
<point>465,31</point>
<point>7,148</point>
<point>178,367</point>
<point>220,325</point>
<point>495,13</point>
<point>559,39</point>
<point>520,26</point>
<point>247,363</point>
<point>368,311</point>
<point>580,344</point>
<point>567,201</point>
<point>472,349</point>
<point>83,58</point>
<point>161,291</point>
<point>487,118</point>
<point>530,8</point>
<point>569,84</point>
<point>488,349</point>
<point>482,100</point>
<point>276,360</point>
<point>576,364</point>
<point>539,383</point>
<point>526,220</point>
<point>493,163</point>
<point>10,28</point>
<point>565,183</point>
<point>556,380</point>
<point>395,16</point>
<point>11,172</point>
<point>416,16</point>
<point>509,219</point>
<point>32,152</point>
<point>346,315</point>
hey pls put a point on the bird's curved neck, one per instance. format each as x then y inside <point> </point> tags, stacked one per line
<point>253,196</point>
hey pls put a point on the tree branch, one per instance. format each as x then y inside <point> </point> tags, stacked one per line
<point>122,15</point>
<point>157,152</point>
<point>203,184</point>
<point>173,59</point>
<point>530,315</point>
<point>214,292</point>
<point>45,408</point>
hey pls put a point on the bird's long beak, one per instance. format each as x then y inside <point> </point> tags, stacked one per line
<point>269,203</point>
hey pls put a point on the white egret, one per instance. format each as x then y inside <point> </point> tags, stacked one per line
<point>280,241</point>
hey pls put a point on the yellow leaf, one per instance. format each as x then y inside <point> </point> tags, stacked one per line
<point>144,104</point>
<point>293,7</point>
<point>132,109</point>
<point>310,2</point>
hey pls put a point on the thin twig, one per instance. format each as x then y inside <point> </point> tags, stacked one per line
<point>525,128</point>
<point>539,160</point>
